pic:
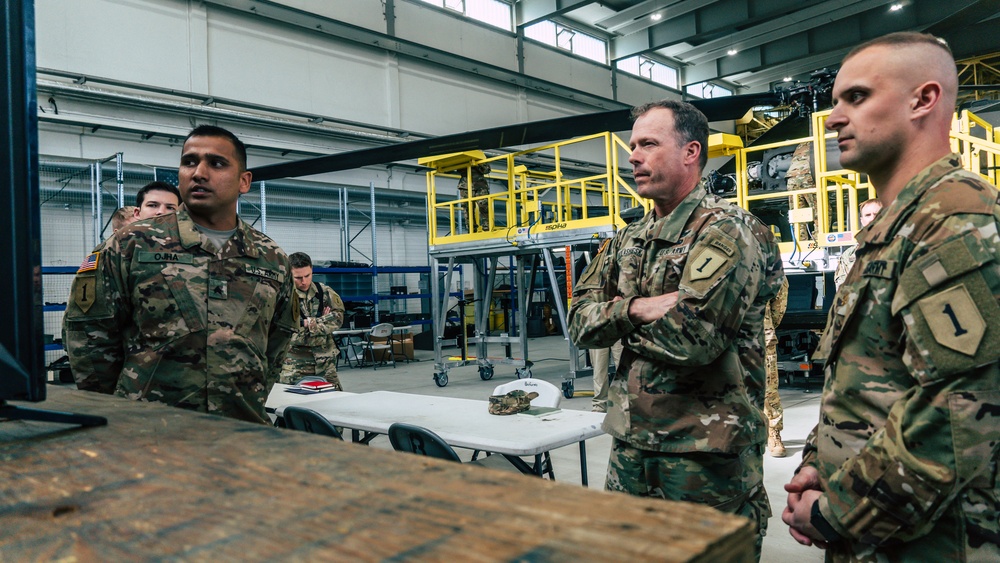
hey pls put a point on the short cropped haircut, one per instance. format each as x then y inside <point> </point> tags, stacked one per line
<point>900,38</point>
<point>872,201</point>
<point>213,131</point>
<point>140,196</point>
<point>300,260</point>
<point>689,122</point>
<point>121,217</point>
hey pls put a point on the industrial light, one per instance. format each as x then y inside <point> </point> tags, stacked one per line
<point>732,51</point>
<point>656,17</point>
<point>896,7</point>
<point>786,79</point>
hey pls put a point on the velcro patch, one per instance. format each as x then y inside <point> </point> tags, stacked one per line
<point>954,319</point>
<point>147,257</point>
<point>880,269</point>
<point>674,250</point>
<point>705,264</point>
<point>85,292</point>
<point>261,273</point>
<point>724,246</point>
<point>89,263</point>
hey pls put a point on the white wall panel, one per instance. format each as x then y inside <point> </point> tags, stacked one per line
<point>549,64</point>
<point>368,14</point>
<point>453,34</point>
<point>635,91</point>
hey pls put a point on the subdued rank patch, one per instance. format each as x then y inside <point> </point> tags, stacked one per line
<point>84,292</point>
<point>705,264</point>
<point>218,289</point>
<point>954,319</point>
<point>89,263</point>
<point>934,272</point>
<point>261,273</point>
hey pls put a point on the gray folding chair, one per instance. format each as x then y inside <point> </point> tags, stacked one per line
<point>383,330</point>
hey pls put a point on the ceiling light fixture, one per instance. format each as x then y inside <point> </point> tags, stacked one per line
<point>786,79</point>
<point>732,51</point>
<point>656,17</point>
<point>896,7</point>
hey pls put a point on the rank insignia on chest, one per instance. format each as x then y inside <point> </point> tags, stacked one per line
<point>218,289</point>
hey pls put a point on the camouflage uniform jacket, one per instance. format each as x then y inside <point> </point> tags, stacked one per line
<point>909,430</point>
<point>847,258</point>
<point>159,315</point>
<point>693,380</point>
<point>319,339</point>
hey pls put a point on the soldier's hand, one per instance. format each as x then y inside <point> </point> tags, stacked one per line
<point>799,520</point>
<point>644,310</point>
<point>326,311</point>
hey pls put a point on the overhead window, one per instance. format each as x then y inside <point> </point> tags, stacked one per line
<point>708,90</point>
<point>572,40</point>
<point>493,12</point>
<point>650,70</point>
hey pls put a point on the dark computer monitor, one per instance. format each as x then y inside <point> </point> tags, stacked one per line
<point>22,352</point>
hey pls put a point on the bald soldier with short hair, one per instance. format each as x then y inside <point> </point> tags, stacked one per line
<point>903,463</point>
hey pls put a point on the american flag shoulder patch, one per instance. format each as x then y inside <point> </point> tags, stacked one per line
<point>89,263</point>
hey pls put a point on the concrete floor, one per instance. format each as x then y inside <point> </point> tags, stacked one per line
<point>801,406</point>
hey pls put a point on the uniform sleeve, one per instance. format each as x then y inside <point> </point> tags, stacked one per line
<point>943,434</point>
<point>779,304</point>
<point>330,322</point>
<point>92,325</point>
<point>722,275</point>
<point>283,325</point>
<point>594,320</point>
<point>844,266</point>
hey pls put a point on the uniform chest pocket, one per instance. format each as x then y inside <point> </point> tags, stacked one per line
<point>843,310</point>
<point>259,309</point>
<point>664,268</point>
<point>164,307</point>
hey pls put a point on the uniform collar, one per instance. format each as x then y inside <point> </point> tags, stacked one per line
<point>237,245</point>
<point>309,293</point>
<point>885,224</point>
<point>671,227</point>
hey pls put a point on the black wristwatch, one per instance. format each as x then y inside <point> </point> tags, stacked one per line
<point>822,526</point>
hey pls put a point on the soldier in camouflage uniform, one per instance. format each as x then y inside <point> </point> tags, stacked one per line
<point>480,186</point>
<point>313,350</point>
<point>193,309</point>
<point>773,313</point>
<point>684,289</point>
<point>903,463</point>
<point>869,209</point>
<point>799,177</point>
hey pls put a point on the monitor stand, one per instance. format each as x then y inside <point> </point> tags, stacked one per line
<point>21,413</point>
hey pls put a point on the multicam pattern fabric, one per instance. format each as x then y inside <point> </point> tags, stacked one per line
<point>693,380</point>
<point>731,483</point>
<point>165,316</point>
<point>799,177</point>
<point>909,432</point>
<point>847,259</point>
<point>480,186</point>
<point>313,351</point>
<point>773,313</point>
<point>512,402</point>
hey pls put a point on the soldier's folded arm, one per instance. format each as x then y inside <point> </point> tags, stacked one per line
<point>935,442</point>
<point>92,325</point>
<point>333,320</point>
<point>596,320</point>
<point>710,306</point>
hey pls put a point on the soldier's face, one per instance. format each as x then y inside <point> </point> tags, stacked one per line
<point>156,203</point>
<point>869,212</point>
<point>303,278</point>
<point>660,162</point>
<point>210,177</point>
<point>870,114</point>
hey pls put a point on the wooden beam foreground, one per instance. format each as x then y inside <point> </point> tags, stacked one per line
<point>160,482</point>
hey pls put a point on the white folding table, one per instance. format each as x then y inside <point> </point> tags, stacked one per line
<point>463,423</point>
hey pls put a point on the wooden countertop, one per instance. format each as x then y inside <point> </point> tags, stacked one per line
<point>160,482</point>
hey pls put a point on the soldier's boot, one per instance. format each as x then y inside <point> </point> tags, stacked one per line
<point>774,444</point>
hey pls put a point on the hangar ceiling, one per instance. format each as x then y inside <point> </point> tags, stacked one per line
<point>754,43</point>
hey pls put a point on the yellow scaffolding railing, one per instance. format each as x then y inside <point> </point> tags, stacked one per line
<point>545,190</point>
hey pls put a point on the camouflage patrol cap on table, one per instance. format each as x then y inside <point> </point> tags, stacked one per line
<point>511,403</point>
